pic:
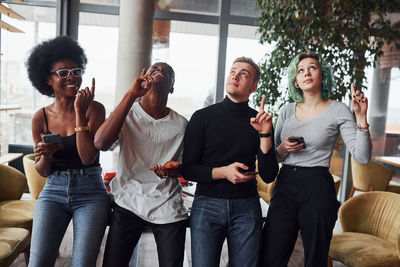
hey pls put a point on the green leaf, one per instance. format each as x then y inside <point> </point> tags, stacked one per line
<point>342,32</point>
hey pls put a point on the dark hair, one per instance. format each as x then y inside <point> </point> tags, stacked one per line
<point>253,64</point>
<point>170,70</point>
<point>45,54</point>
<point>328,83</point>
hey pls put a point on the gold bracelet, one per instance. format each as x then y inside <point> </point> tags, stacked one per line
<point>81,129</point>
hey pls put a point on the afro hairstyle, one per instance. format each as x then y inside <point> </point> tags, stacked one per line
<point>44,55</point>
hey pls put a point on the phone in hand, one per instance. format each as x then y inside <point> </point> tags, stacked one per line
<point>250,173</point>
<point>52,138</point>
<point>297,139</point>
<point>247,172</point>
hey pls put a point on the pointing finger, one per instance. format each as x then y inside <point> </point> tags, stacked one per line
<point>353,90</point>
<point>262,103</point>
<point>261,118</point>
<point>259,114</point>
<point>143,72</point>
<point>93,86</point>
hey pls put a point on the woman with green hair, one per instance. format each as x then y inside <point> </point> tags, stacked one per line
<point>304,197</point>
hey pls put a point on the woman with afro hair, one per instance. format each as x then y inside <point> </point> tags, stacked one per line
<point>74,188</point>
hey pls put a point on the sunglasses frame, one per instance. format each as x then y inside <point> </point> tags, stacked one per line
<point>70,72</point>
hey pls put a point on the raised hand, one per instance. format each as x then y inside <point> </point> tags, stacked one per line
<point>84,98</point>
<point>262,123</point>
<point>141,84</point>
<point>360,106</point>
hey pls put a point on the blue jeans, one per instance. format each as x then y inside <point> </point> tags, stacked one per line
<point>79,195</point>
<point>214,219</point>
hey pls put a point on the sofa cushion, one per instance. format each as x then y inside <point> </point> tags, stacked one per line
<point>358,249</point>
<point>13,241</point>
<point>17,213</point>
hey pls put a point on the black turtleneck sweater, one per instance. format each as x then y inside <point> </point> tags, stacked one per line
<point>220,135</point>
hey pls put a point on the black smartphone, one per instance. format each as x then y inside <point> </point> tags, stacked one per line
<point>297,139</point>
<point>247,172</point>
<point>52,138</point>
<point>250,173</point>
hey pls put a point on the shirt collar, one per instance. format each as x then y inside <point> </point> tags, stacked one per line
<point>229,104</point>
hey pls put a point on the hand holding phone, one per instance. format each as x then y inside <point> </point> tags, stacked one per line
<point>297,139</point>
<point>49,145</point>
<point>247,172</point>
<point>52,138</point>
<point>250,173</point>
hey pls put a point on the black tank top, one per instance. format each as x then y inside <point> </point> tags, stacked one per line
<point>67,157</point>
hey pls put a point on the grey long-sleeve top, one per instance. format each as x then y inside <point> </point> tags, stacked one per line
<point>320,135</point>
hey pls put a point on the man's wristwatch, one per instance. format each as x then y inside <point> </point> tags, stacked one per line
<point>264,135</point>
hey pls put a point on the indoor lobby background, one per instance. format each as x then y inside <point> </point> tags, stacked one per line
<point>199,39</point>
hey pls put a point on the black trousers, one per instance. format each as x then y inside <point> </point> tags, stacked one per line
<point>303,198</point>
<point>124,234</point>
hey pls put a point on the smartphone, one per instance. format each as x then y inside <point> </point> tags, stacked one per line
<point>297,139</point>
<point>250,173</point>
<point>52,138</point>
<point>246,172</point>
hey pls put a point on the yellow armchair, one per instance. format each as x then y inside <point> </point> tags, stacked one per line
<point>13,241</point>
<point>371,231</point>
<point>265,190</point>
<point>369,177</point>
<point>14,215</point>
<point>14,212</point>
<point>36,182</point>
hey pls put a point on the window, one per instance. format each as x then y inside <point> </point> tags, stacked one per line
<point>209,7</point>
<point>101,2</point>
<point>245,8</point>
<point>244,41</point>
<point>15,85</point>
<point>98,35</point>
<point>192,52</point>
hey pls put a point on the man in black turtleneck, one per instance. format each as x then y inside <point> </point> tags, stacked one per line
<point>221,144</point>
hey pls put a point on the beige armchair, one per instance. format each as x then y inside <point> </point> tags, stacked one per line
<point>371,231</point>
<point>336,167</point>
<point>13,241</point>
<point>265,190</point>
<point>36,182</point>
<point>14,213</point>
<point>369,177</point>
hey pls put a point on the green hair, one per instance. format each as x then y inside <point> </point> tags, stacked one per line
<point>327,78</point>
